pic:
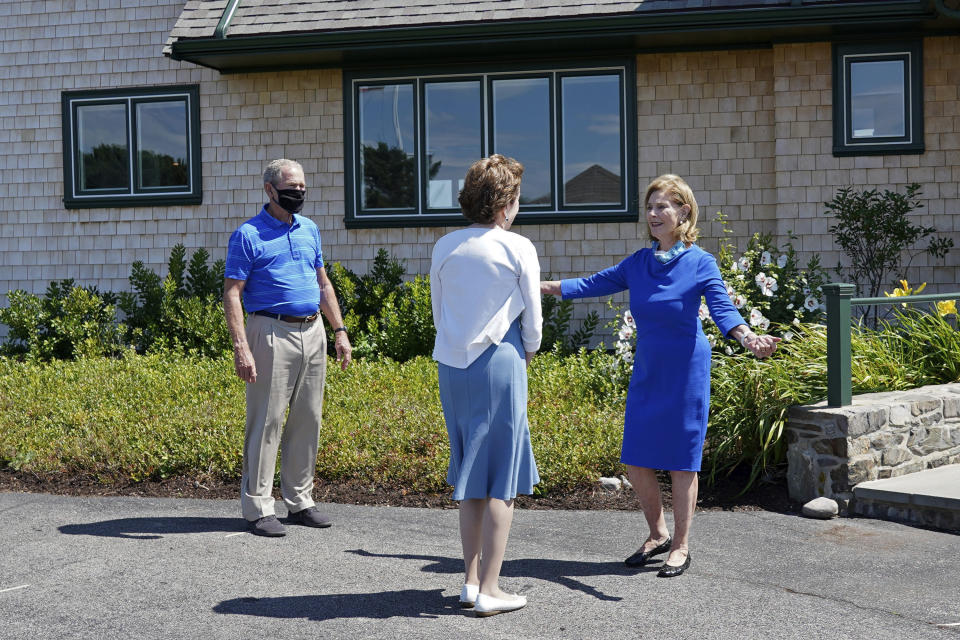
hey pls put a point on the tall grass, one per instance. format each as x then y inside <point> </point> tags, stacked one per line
<point>750,398</point>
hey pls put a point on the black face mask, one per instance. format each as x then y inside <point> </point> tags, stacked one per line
<point>291,199</point>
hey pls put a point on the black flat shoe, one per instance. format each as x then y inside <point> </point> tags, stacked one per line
<point>670,571</point>
<point>641,557</point>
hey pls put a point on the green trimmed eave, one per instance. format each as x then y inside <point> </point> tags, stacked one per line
<point>646,32</point>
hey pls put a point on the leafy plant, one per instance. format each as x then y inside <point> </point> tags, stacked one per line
<point>873,230</point>
<point>384,315</point>
<point>182,311</point>
<point>69,321</point>
<point>403,328</point>
<point>557,315</point>
<point>153,416</point>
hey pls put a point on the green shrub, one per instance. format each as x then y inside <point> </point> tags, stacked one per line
<point>143,417</point>
<point>928,340</point>
<point>69,321</point>
<point>557,315</point>
<point>183,311</point>
<point>385,316</point>
<point>403,328</point>
<point>149,417</point>
<point>873,230</point>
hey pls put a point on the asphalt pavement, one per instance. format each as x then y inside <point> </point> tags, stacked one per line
<point>130,568</point>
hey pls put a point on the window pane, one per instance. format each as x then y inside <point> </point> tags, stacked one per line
<point>521,121</point>
<point>388,162</point>
<point>102,147</point>
<point>877,99</point>
<point>591,140</point>
<point>454,138</point>
<point>162,144</point>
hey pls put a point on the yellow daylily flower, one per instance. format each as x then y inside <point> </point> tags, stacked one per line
<point>905,290</point>
<point>946,307</point>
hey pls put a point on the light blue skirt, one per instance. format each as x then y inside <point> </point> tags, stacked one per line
<point>485,408</point>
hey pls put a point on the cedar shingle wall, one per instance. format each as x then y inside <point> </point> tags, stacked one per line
<point>750,130</point>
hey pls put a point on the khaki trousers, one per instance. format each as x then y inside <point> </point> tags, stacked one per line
<point>284,408</point>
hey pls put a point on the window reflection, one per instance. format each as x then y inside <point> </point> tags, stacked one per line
<point>102,147</point>
<point>521,130</point>
<point>591,134</point>
<point>454,138</point>
<point>162,143</point>
<point>388,163</point>
<point>877,105</point>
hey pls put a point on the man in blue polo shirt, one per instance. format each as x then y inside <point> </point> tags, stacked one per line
<point>275,265</point>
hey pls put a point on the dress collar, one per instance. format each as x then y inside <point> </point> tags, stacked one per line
<point>667,256</point>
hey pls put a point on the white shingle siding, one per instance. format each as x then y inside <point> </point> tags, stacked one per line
<point>751,131</point>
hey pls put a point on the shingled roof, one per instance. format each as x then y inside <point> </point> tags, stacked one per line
<point>199,18</point>
<point>211,31</point>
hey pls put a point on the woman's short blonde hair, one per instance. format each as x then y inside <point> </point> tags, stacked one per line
<point>681,193</point>
<point>491,184</point>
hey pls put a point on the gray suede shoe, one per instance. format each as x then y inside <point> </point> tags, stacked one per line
<point>311,517</point>
<point>268,526</point>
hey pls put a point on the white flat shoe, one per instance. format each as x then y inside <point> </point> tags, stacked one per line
<point>468,595</point>
<point>490,606</point>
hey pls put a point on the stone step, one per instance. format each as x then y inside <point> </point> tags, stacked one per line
<point>930,498</point>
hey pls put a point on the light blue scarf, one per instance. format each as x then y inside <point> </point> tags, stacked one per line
<point>667,256</point>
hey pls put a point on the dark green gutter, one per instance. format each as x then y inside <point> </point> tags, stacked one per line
<point>636,31</point>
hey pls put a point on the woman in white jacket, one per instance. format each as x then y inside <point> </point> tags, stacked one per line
<point>485,288</point>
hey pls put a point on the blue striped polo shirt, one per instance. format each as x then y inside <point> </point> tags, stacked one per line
<point>279,263</point>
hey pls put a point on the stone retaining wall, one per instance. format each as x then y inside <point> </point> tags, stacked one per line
<point>881,435</point>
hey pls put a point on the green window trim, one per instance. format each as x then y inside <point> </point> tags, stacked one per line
<point>135,105</point>
<point>910,54</point>
<point>531,213</point>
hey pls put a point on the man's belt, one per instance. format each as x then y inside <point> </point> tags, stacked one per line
<point>286,318</point>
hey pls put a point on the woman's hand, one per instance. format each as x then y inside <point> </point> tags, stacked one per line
<point>550,287</point>
<point>760,346</point>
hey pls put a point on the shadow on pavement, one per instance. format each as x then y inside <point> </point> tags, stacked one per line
<point>408,603</point>
<point>561,572</point>
<point>153,528</point>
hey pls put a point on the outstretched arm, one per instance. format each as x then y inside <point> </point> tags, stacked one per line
<point>550,287</point>
<point>760,346</point>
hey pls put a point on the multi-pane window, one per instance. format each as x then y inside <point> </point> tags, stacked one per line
<point>877,105</point>
<point>131,147</point>
<point>410,140</point>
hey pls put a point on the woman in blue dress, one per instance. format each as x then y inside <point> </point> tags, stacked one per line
<point>669,394</point>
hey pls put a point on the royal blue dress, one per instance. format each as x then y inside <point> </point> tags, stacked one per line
<point>669,395</point>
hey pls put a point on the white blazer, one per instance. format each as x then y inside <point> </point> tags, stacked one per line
<point>480,281</point>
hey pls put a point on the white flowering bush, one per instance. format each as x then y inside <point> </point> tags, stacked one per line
<point>626,336</point>
<point>768,287</point>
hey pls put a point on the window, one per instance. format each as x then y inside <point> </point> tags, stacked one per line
<point>409,140</point>
<point>131,147</point>
<point>878,99</point>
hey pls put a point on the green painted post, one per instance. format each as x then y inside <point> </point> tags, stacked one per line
<point>839,373</point>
